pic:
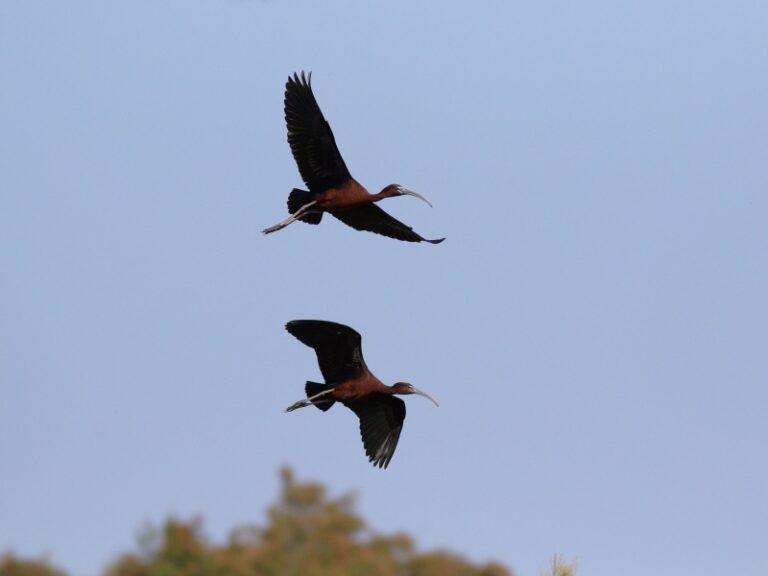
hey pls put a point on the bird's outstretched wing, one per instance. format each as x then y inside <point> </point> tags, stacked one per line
<point>371,218</point>
<point>338,347</point>
<point>381,421</point>
<point>310,137</point>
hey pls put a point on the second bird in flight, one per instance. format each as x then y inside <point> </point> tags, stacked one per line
<point>348,380</point>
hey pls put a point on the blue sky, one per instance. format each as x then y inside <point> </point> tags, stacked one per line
<point>594,326</point>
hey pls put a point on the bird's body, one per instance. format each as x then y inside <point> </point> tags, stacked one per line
<point>331,187</point>
<point>347,196</point>
<point>348,381</point>
<point>358,388</point>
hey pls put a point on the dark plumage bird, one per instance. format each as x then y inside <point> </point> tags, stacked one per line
<point>348,380</point>
<point>331,187</point>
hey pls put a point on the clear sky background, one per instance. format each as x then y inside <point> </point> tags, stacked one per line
<point>594,326</point>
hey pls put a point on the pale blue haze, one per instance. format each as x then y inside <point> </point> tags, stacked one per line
<point>595,326</point>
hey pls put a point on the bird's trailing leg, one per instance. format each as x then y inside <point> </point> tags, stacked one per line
<point>295,216</point>
<point>308,401</point>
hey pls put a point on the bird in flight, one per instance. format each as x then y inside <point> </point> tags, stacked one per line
<point>348,380</point>
<point>331,187</point>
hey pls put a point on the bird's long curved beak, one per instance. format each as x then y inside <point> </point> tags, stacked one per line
<point>420,393</point>
<point>412,193</point>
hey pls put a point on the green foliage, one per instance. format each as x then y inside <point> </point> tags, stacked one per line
<point>307,533</point>
<point>12,566</point>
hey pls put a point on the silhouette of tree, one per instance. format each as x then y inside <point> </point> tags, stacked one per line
<point>307,533</point>
<point>10,565</point>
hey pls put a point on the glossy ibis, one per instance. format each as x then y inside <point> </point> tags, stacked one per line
<point>348,380</point>
<point>331,187</point>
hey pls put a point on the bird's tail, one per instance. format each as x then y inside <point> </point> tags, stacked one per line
<point>298,198</point>
<point>313,388</point>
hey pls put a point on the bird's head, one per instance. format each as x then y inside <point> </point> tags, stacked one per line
<point>405,388</point>
<point>397,190</point>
